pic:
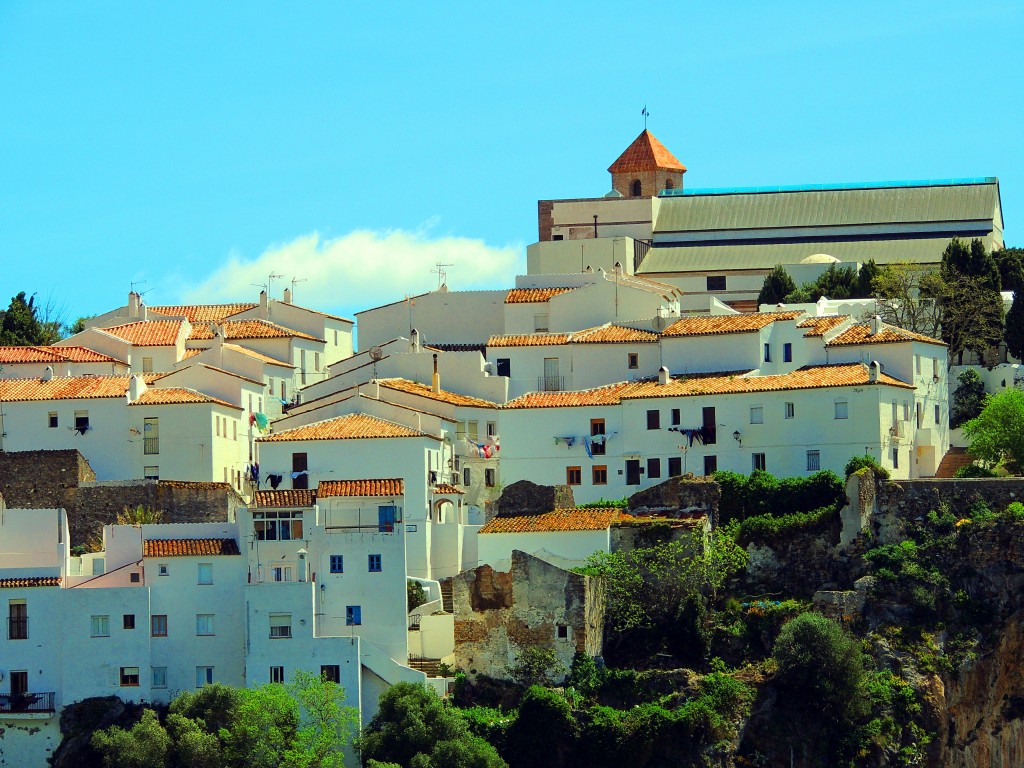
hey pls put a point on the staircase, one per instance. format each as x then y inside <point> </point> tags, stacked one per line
<point>952,461</point>
<point>447,601</point>
<point>430,667</point>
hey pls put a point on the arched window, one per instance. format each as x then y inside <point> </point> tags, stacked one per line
<point>669,184</point>
<point>635,188</point>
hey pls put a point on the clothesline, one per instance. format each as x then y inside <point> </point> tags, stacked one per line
<point>484,450</point>
<point>588,441</point>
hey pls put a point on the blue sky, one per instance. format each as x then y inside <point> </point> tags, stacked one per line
<point>202,146</point>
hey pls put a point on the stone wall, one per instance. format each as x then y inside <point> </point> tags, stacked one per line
<point>525,498</point>
<point>497,614</point>
<point>39,479</point>
<point>685,496</point>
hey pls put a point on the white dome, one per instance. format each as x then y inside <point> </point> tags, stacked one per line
<point>820,258</point>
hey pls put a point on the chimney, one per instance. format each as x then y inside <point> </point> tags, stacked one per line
<point>414,340</point>
<point>663,376</point>
<point>287,295</point>
<point>876,325</point>
<point>437,377</point>
<point>264,305</point>
<point>143,312</point>
<point>48,373</point>
<point>136,386</point>
<point>873,371</point>
<point>133,304</point>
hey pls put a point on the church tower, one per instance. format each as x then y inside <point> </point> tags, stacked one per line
<point>646,168</point>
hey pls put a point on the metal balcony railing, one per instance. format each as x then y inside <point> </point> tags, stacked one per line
<point>551,383</point>
<point>27,702</point>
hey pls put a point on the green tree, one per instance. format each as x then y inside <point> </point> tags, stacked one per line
<point>24,323</point>
<point>869,270</point>
<point>972,307</point>
<point>326,725</point>
<point>544,733</point>
<point>909,296</point>
<point>263,728</point>
<point>144,745</point>
<point>415,594</point>
<point>416,729</point>
<point>997,433</point>
<point>777,285</point>
<point>968,400</point>
<point>536,666</point>
<point>1014,332</point>
<point>1011,268</point>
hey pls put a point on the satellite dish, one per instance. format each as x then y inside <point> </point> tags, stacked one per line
<point>376,354</point>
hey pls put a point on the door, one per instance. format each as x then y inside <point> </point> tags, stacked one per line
<point>19,683</point>
<point>632,471</point>
<point>300,473</point>
<point>386,518</point>
<point>709,427</point>
<point>552,383</point>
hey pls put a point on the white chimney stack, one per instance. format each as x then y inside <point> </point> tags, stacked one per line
<point>663,376</point>
<point>264,305</point>
<point>133,304</point>
<point>436,383</point>
<point>873,371</point>
<point>48,373</point>
<point>414,340</point>
<point>287,295</point>
<point>876,324</point>
<point>136,386</point>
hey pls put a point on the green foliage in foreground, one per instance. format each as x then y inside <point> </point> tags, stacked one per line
<point>604,503</point>
<point>764,494</point>
<point>302,725</point>
<point>857,463</point>
<point>997,433</point>
<point>776,529</point>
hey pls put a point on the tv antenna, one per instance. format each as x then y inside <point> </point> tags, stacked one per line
<point>376,355</point>
<point>442,273</point>
<point>140,282</point>
<point>267,286</point>
<point>297,280</point>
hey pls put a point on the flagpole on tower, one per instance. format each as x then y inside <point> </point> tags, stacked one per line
<point>646,114</point>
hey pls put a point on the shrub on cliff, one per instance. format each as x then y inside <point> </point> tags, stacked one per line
<point>857,463</point>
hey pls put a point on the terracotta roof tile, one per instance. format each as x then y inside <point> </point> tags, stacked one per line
<point>190,353</point>
<point>13,355</point>
<point>447,489</point>
<point>261,329</point>
<point>703,326</point>
<point>890,334</point>
<point>386,487</point>
<point>189,547</point>
<point>350,427</point>
<point>178,396</point>
<point>286,498</point>
<point>148,333</point>
<point>257,355</point>
<point>528,340</point>
<point>414,388</point>
<point>576,519</point>
<point>30,581</point>
<point>67,388</point>
<point>204,313</point>
<point>646,153</point>
<point>607,395</point>
<point>200,332</point>
<point>819,326</point>
<point>602,334</point>
<point>533,295</point>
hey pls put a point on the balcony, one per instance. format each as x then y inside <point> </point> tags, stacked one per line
<point>17,628</point>
<point>550,383</point>
<point>27,703</point>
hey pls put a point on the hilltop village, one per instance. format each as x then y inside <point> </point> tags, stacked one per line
<point>290,482</point>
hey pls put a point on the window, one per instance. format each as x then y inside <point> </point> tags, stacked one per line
<point>280,625</point>
<point>787,353</point>
<point>353,615</point>
<point>757,414</point>
<point>19,681</point>
<point>284,390</point>
<point>599,475</point>
<point>597,428</point>
<point>634,188</point>
<point>675,466</point>
<point>653,468</point>
<point>842,409</point>
<point>159,677</point>
<point>128,621</point>
<point>52,419</point>
<point>204,676</point>
<point>503,366</point>
<point>492,428</point>
<point>767,353</point>
<point>374,564</point>
<point>316,361</point>
<point>716,282</point>
<point>467,476</point>
<point>205,573</point>
<point>709,428</point>
<point>473,430</point>
<point>917,364</point>
<point>654,419</point>
<point>129,676</point>
<point>675,417</point>
<point>573,475</point>
<point>204,624</point>
<point>81,422</point>
<point>277,674</point>
<point>161,569</point>
<point>632,361</point>
<point>282,573</point>
<point>562,632</point>
<point>490,479</point>
<point>337,563</point>
<point>158,625</point>
<point>100,626</point>
<point>906,410</point>
<point>135,578</point>
<point>813,461</point>
<point>710,465</point>
<point>935,368</point>
<point>285,525</point>
<point>540,323</point>
<point>552,381</point>
<point>330,672</point>
<point>558,237</point>
<point>790,410</point>
<point>17,620</point>
<point>300,474</point>
<point>151,473</point>
<point>938,415</point>
<point>302,365</point>
<point>758,462</point>
<point>895,458</point>
<point>151,436</point>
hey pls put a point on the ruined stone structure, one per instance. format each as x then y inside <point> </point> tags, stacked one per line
<point>525,498</point>
<point>535,604</point>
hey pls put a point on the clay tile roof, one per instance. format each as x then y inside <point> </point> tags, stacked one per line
<point>257,355</point>
<point>528,340</point>
<point>12,355</point>
<point>349,427</point>
<point>446,489</point>
<point>819,326</point>
<point>189,547</point>
<point>189,353</point>
<point>703,326</point>
<point>890,334</point>
<point>611,334</point>
<point>387,487</point>
<point>646,153</point>
<point>200,332</point>
<point>558,520</point>
<point>533,295</point>
<point>203,313</point>
<point>607,395</point>
<point>148,333</point>
<point>286,498</point>
<point>261,329</point>
<point>177,396</point>
<point>30,581</point>
<point>414,388</point>
<point>67,388</point>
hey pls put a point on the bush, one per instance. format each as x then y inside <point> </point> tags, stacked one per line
<point>857,463</point>
<point>764,494</point>
<point>973,470</point>
<point>1015,512</point>
<point>604,503</point>
<point>771,529</point>
<point>415,594</point>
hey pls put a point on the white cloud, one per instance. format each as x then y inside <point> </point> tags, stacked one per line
<point>360,270</point>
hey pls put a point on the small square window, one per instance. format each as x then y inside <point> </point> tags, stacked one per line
<point>151,473</point>
<point>81,422</point>
<point>676,417</point>
<point>653,469</point>
<point>599,475</point>
<point>158,625</point>
<point>489,478</point>
<point>374,564</point>
<point>758,462</point>
<point>573,475</point>
<point>675,466</point>
<point>757,414</point>
<point>330,672</point>
<point>632,360</point>
<point>895,458</point>
<point>52,419</point>
<point>204,624</point>
<point>162,570</point>
<point>540,323</point>
<point>716,282</point>
<point>337,563</point>
<point>710,465</point>
<point>563,632</point>
<point>204,676</point>
<point>99,626</point>
<point>128,621</point>
<point>135,578</point>
<point>280,625</point>
<point>205,573</point>
<point>129,676</point>
<point>277,674</point>
<point>813,461</point>
<point>159,677</point>
<point>790,410</point>
<point>767,353</point>
<point>654,419</point>
<point>353,615</point>
<point>787,353</point>
<point>842,409</point>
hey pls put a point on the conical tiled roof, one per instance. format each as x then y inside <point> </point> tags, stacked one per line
<point>646,153</point>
